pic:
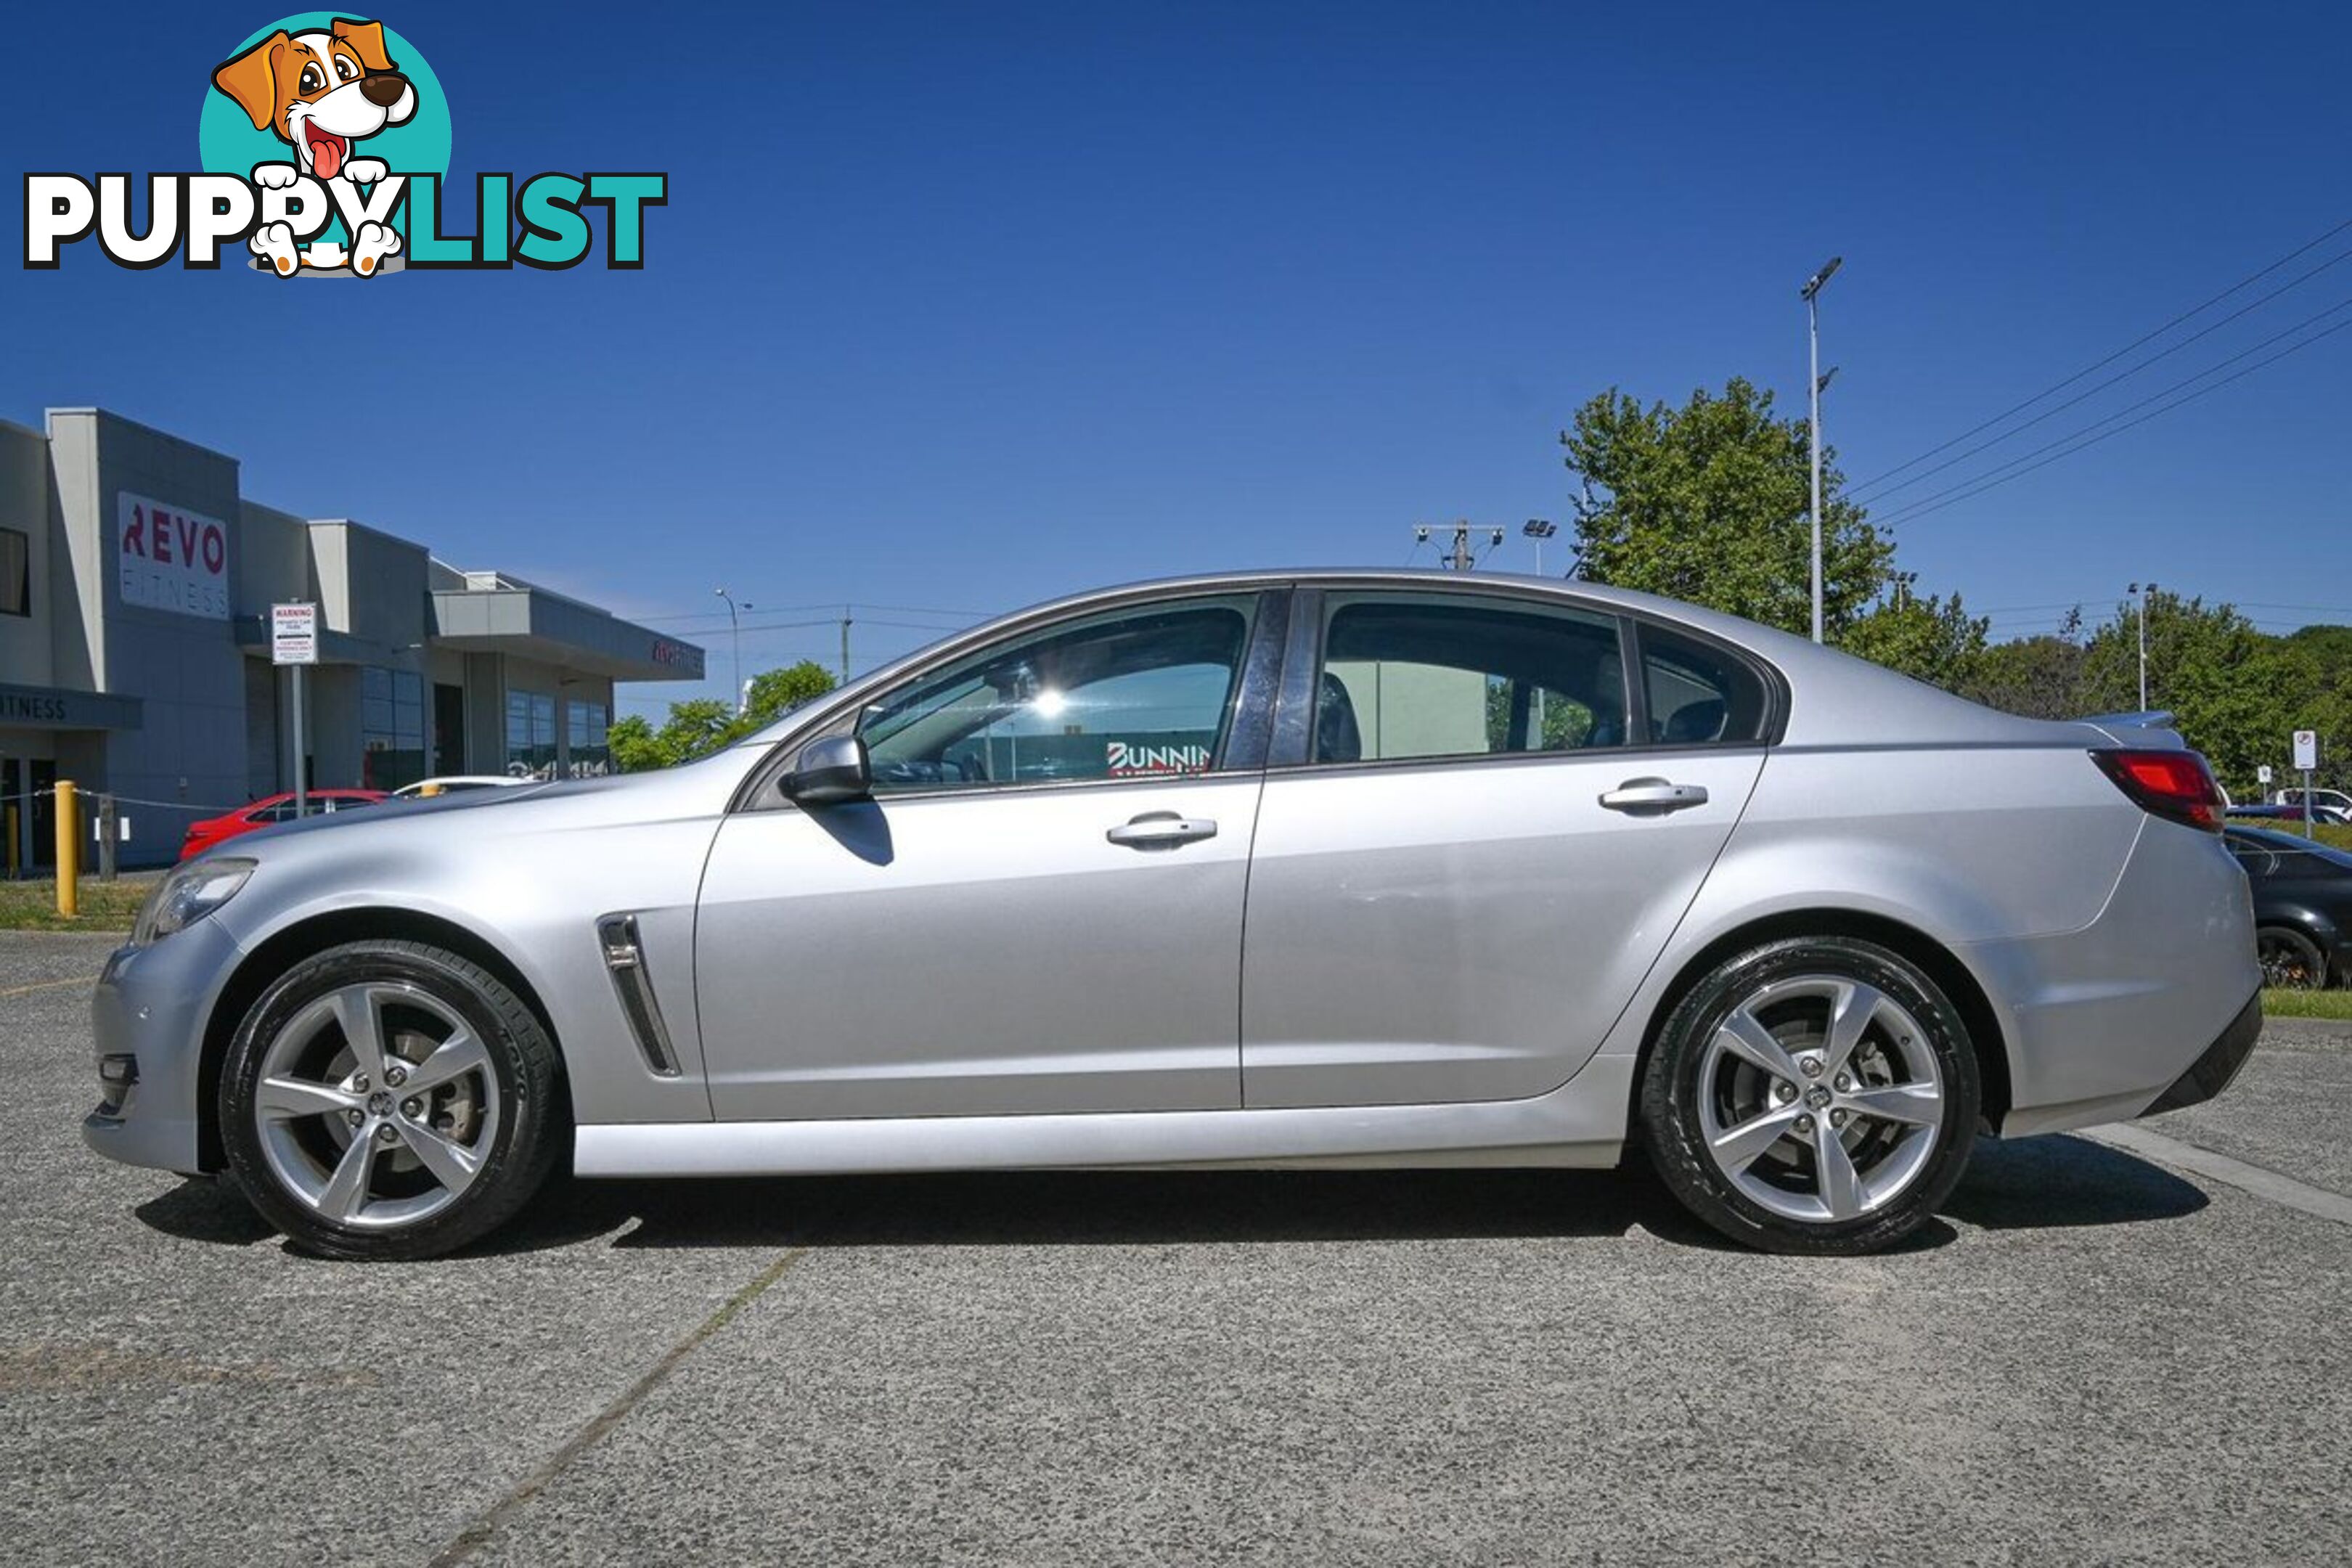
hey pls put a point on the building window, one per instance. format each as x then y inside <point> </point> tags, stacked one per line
<point>392,728</point>
<point>15,572</point>
<point>531,734</point>
<point>585,723</point>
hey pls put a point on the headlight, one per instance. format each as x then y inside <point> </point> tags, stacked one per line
<point>187,896</point>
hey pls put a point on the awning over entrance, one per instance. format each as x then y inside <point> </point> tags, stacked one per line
<point>495,613</point>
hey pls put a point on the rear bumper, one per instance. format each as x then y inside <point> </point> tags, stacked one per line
<point>2104,1022</point>
<point>2211,1073</point>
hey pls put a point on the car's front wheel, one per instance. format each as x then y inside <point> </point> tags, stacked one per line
<point>389,1099</point>
<point>1817,1095</point>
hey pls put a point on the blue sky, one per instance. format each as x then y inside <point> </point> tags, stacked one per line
<point>954,308</point>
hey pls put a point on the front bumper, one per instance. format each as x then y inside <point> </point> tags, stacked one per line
<point>2211,1073</point>
<point>150,1005</point>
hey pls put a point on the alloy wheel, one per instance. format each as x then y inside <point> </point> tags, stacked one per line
<point>376,1105</point>
<point>1820,1098</point>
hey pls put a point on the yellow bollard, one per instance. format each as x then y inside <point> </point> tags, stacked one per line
<point>68,853</point>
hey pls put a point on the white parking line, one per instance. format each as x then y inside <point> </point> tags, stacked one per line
<point>2255,1179</point>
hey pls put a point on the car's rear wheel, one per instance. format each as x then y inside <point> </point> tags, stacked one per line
<point>2290,959</point>
<point>1817,1095</point>
<point>389,1100</point>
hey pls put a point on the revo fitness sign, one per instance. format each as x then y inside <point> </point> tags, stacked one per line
<point>167,559</point>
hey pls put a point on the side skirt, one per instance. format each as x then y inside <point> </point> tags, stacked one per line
<point>1581,1123</point>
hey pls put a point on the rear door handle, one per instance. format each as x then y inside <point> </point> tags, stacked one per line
<point>1161,830</point>
<point>1654,797</point>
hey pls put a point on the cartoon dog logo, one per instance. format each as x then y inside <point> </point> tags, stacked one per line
<point>321,93</point>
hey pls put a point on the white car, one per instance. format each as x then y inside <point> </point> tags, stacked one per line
<point>2326,805</point>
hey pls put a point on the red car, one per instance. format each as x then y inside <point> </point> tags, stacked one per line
<point>212,830</point>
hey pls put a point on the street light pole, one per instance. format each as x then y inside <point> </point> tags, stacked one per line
<point>2140,591</point>
<point>735,629</point>
<point>1812,292</point>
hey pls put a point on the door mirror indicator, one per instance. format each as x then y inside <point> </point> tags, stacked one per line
<point>829,771</point>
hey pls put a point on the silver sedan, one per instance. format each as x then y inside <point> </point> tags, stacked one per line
<point>1362,868</point>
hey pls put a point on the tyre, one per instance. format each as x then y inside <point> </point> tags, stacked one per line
<point>389,1099</point>
<point>1817,1095</point>
<point>2290,959</point>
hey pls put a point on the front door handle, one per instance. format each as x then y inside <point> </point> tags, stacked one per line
<point>1654,797</point>
<point>1161,830</point>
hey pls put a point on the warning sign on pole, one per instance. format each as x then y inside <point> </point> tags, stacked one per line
<point>293,634</point>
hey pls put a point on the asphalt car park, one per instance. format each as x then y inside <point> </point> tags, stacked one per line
<point>2093,1354</point>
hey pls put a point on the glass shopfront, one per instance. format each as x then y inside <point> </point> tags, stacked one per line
<point>392,728</point>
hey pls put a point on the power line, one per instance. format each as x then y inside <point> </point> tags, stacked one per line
<point>965,615</point>
<point>2101,364</point>
<point>2124,374</point>
<point>1985,482</point>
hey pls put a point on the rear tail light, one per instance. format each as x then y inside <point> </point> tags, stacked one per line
<point>2175,786</point>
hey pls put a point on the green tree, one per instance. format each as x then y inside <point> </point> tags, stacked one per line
<point>1932,639</point>
<point>702,725</point>
<point>775,692</point>
<point>1708,503</point>
<point>2321,659</point>
<point>2231,689</point>
<point>2037,677</point>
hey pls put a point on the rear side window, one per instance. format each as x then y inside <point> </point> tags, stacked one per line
<point>1460,677</point>
<point>1698,694</point>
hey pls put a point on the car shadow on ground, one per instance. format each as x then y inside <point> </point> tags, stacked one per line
<point>2036,1184</point>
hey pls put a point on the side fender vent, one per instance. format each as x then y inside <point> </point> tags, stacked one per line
<point>625,960</point>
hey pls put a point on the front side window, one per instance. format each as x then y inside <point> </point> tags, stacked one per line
<point>1133,694</point>
<point>1460,677</point>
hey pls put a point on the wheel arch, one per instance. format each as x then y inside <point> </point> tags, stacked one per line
<point>293,944</point>
<point>1941,965</point>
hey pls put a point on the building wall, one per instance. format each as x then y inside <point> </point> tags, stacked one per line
<point>24,656</point>
<point>185,635</point>
<point>189,753</point>
<point>275,562</point>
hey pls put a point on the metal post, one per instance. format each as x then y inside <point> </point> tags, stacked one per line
<point>1812,292</point>
<point>301,773</point>
<point>1814,385</point>
<point>106,834</point>
<point>845,644</point>
<point>68,853</point>
<point>2306,803</point>
<point>735,631</point>
<point>2143,651</point>
<point>2140,592</point>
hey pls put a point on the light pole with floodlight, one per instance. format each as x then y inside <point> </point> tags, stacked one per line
<point>735,631</point>
<point>1539,530</point>
<point>1814,381</point>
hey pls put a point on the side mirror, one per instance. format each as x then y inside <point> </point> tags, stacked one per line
<point>830,770</point>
